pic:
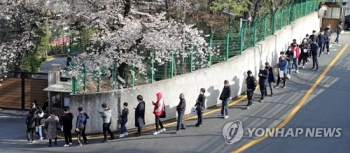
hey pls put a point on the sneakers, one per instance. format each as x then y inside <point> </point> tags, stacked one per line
<point>297,71</point>
<point>328,53</point>
<point>303,67</point>
<point>66,145</point>
<point>79,145</point>
<point>312,68</point>
<point>177,132</point>
<point>41,138</point>
<point>288,76</point>
<point>163,130</point>
<point>284,87</point>
<point>70,143</point>
<point>248,106</point>
<point>226,117</point>
<point>317,69</point>
<point>121,136</point>
<point>104,141</point>
<point>276,86</point>
<point>156,132</point>
<point>183,127</point>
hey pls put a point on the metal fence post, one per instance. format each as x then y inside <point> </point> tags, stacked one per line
<point>133,76</point>
<point>114,77</point>
<point>228,42</point>
<point>211,46</point>
<point>152,65</point>
<point>281,17</point>
<point>191,61</point>
<point>241,31</point>
<point>273,23</point>
<point>84,78</point>
<point>172,65</point>
<point>254,30</point>
<point>74,80</point>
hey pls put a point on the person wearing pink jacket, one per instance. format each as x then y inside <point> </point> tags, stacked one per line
<point>296,54</point>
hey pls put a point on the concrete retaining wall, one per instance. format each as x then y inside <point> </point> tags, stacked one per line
<point>211,79</point>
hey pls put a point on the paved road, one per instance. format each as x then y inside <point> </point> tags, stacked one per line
<point>46,66</point>
<point>326,107</point>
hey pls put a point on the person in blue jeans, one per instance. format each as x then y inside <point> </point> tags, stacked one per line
<point>296,54</point>
<point>124,120</point>
<point>225,97</point>
<point>181,107</point>
<point>339,29</point>
<point>41,123</point>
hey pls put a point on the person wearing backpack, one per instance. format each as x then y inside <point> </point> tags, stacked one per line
<point>200,107</point>
<point>31,122</point>
<point>251,83</point>
<point>81,125</point>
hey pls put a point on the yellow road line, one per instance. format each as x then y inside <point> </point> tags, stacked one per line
<point>297,107</point>
<point>166,124</point>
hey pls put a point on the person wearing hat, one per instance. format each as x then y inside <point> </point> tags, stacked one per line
<point>271,78</point>
<point>67,123</point>
<point>251,82</point>
<point>140,115</point>
<point>282,73</point>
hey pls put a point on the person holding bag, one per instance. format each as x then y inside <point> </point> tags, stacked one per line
<point>181,107</point>
<point>200,107</point>
<point>159,112</point>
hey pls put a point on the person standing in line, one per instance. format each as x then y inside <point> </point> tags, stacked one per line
<point>107,119</point>
<point>140,115</point>
<point>41,123</point>
<point>289,57</point>
<point>271,78</point>
<point>181,107</point>
<point>304,53</point>
<point>321,40</point>
<point>158,111</point>
<point>313,36</point>
<point>124,120</point>
<point>282,69</point>
<point>296,54</point>
<point>31,122</point>
<point>200,107</point>
<point>314,49</point>
<point>251,82</point>
<point>328,33</point>
<point>225,97</point>
<point>81,125</point>
<point>263,78</point>
<point>67,123</point>
<point>51,126</point>
<point>339,29</point>
<point>46,105</point>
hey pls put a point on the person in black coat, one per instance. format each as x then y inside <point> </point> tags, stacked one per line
<point>181,107</point>
<point>271,78</point>
<point>200,107</point>
<point>67,122</point>
<point>314,49</point>
<point>225,97</point>
<point>140,115</point>
<point>31,122</point>
<point>263,77</point>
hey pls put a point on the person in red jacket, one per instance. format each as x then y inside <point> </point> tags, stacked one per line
<point>296,54</point>
<point>159,111</point>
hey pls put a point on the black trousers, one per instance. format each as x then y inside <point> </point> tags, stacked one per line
<point>250,97</point>
<point>270,85</point>
<point>326,46</point>
<point>199,116</point>
<point>284,79</point>
<point>139,130</point>
<point>303,58</point>
<point>314,62</point>
<point>30,134</point>
<point>158,122</point>
<point>107,129</point>
<point>67,134</point>
<point>80,134</point>
<point>262,89</point>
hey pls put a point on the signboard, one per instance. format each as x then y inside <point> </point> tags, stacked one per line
<point>66,101</point>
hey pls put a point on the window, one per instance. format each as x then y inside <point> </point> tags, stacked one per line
<point>328,13</point>
<point>336,13</point>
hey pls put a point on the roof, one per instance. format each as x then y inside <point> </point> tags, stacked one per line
<point>60,87</point>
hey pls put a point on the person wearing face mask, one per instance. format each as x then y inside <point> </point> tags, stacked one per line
<point>271,77</point>
<point>282,66</point>
<point>304,54</point>
<point>321,39</point>
<point>289,58</point>
<point>251,82</point>
<point>296,54</point>
<point>181,107</point>
<point>339,29</point>
<point>263,77</point>
<point>328,33</point>
<point>200,107</point>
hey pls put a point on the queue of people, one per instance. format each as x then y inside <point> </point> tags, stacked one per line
<point>297,55</point>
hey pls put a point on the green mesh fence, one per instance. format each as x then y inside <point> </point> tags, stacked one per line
<point>179,64</point>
